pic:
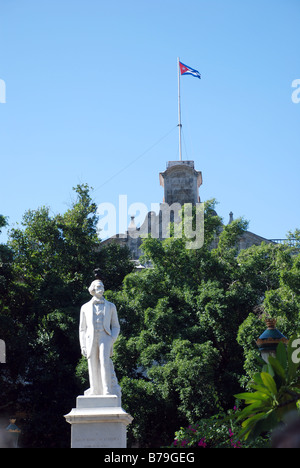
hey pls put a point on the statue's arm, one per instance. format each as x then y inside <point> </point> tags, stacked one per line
<point>82,331</point>
<point>115,326</point>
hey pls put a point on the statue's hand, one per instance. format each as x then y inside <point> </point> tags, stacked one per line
<point>83,352</point>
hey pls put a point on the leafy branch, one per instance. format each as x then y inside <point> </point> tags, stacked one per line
<point>274,386</point>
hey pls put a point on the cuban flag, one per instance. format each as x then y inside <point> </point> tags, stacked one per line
<point>185,70</point>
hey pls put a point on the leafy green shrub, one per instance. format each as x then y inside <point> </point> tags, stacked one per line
<point>277,393</point>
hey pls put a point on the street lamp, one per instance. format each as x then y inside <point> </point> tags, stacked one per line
<point>268,341</point>
<point>13,431</point>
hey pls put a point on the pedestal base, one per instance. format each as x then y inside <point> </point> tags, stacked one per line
<point>98,422</point>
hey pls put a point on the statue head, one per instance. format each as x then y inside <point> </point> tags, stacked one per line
<point>96,288</point>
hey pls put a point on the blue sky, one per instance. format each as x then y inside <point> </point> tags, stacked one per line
<point>91,97</point>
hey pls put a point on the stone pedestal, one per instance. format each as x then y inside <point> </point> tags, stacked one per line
<point>98,422</point>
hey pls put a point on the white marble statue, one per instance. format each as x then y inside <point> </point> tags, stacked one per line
<point>98,330</point>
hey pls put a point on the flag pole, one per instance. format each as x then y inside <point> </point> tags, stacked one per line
<point>179,111</point>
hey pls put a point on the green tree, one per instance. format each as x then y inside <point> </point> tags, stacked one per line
<point>5,261</point>
<point>272,273</point>
<point>189,322</point>
<point>179,322</point>
<point>276,274</point>
<point>6,323</point>
<point>293,238</point>
<point>52,262</point>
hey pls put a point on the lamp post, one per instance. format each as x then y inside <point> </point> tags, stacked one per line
<point>268,341</point>
<point>13,433</point>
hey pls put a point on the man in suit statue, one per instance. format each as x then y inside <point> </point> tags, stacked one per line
<point>98,330</point>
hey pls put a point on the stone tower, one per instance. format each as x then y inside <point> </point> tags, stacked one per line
<point>181,182</point>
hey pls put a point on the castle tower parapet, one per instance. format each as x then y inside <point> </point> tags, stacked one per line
<point>181,182</point>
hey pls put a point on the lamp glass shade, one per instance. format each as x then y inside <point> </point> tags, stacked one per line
<point>268,341</point>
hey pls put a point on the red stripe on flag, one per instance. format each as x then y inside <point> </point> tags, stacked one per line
<point>183,68</point>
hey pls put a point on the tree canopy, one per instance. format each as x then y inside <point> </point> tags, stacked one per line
<point>189,322</point>
<point>48,265</point>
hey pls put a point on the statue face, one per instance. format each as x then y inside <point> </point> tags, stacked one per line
<point>98,289</point>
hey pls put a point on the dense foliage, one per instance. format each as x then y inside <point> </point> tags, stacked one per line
<point>188,324</point>
<point>185,326</point>
<point>218,431</point>
<point>44,273</point>
<point>277,392</point>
